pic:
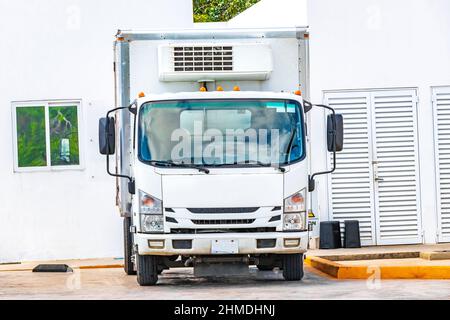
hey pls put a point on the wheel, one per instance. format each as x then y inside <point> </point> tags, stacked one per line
<point>293,267</point>
<point>262,267</point>
<point>128,247</point>
<point>147,270</point>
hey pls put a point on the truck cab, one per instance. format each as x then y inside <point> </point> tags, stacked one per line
<point>216,178</point>
<point>221,173</point>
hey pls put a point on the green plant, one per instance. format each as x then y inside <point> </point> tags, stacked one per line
<point>31,146</point>
<point>219,10</point>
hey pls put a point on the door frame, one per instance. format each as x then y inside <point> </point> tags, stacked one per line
<point>372,145</point>
<point>440,237</point>
<point>370,155</point>
<point>419,239</point>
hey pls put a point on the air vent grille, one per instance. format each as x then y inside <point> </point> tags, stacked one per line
<point>223,210</point>
<point>234,221</point>
<point>203,58</point>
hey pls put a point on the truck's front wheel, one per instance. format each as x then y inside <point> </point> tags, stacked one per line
<point>147,270</point>
<point>293,267</point>
<point>128,247</point>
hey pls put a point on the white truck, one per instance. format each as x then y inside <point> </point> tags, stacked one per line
<point>210,128</point>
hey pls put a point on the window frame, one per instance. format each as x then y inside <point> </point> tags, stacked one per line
<point>47,104</point>
<point>299,107</point>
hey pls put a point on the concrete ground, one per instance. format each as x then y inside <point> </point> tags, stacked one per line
<point>105,279</point>
<point>112,283</point>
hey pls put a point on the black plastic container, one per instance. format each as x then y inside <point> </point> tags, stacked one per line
<point>352,238</point>
<point>330,235</point>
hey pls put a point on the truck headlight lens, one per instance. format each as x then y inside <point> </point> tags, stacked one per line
<point>152,223</point>
<point>296,202</point>
<point>294,221</point>
<point>150,209</point>
<point>149,204</point>
<point>294,218</point>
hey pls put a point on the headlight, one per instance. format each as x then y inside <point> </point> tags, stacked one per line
<point>294,221</point>
<point>151,213</point>
<point>295,218</point>
<point>152,223</point>
<point>296,202</point>
<point>149,204</point>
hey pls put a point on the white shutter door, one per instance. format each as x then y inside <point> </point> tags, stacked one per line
<point>352,189</point>
<point>396,171</point>
<point>441,108</point>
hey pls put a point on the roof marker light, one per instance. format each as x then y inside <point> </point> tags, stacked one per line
<point>236,88</point>
<point>203,89</point>
<point>141,95</point>
<point>298,92</point>
<point>219,88</point>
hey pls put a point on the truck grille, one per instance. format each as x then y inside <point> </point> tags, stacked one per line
<point>224,230</point>
<point>223,210</point>
<point>233,221</point>
<point>203,58</point>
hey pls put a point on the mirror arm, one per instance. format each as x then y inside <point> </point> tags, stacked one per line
<point>311,183</point>
<point>133,110</point>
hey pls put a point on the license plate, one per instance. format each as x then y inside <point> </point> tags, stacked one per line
<point>225,247</point>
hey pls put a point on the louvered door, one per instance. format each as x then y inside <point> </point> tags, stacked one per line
<point>441,109</point>
<point>352,187</point>
<point>377,177</point>
<point>396,169</point>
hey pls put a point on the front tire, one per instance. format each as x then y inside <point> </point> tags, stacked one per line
<point>147,270</point>
<point>293,267</point>
<point>128,248</point>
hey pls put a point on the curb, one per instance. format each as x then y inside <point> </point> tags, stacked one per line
<point>340,271</point>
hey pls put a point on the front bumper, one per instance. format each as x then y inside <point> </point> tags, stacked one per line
<point>202,243</point>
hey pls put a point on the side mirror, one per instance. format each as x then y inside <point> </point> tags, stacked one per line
<point>335,142</point>
<point>107,136</point>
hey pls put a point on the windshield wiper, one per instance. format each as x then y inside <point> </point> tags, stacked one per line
<point>251,162</point>
<point>171,163</point>
<point>254,162</point>
<point>200,168</point>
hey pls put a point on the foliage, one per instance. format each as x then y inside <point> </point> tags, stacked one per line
<point>31,137</point>
<point>64,125</point>
<point>219,10</point>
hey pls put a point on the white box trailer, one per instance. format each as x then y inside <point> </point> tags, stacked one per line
<point>212,158</point>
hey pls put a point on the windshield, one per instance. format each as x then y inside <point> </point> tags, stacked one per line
<point>221,132</point>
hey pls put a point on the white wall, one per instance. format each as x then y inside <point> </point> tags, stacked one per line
<point>62,49</point>
<point>272,14</point>
<point>358,44</point>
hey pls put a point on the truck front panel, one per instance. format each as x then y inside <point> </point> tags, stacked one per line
<point>199,204</point>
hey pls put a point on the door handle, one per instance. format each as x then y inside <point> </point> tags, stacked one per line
<point>379,179</point>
